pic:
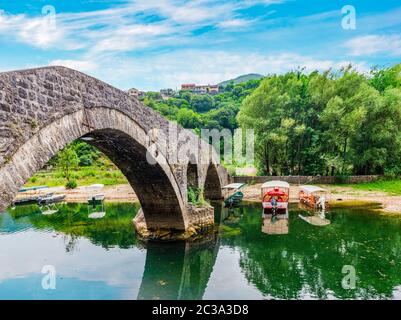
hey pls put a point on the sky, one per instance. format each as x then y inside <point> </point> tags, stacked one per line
<point>150,44</point>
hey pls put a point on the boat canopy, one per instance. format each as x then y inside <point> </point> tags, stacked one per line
<point>234,186</point>
<point>311,189</point>
<point>276,183</point>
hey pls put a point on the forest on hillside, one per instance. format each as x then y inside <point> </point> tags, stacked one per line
<point>320,123</point>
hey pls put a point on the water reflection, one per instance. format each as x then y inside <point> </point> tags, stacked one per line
<point>275,224</point>
<point>316,217</point>
<point>104,253</point>
<point>178,270</point>
<point>72,220</point>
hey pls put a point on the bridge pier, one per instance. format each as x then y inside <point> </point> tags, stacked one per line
<point>201,219</point>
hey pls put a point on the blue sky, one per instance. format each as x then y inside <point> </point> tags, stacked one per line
<point>151,44</point>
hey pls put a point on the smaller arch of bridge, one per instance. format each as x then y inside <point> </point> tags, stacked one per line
<point>213,183</point>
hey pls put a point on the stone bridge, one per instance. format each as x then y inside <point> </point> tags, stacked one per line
<point>43,110</point>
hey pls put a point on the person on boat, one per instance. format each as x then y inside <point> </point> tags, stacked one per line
<point>273,202</point>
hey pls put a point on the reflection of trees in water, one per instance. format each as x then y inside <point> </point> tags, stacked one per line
<point>309,260</point>
<point>115,229</point>
<point>178,270</point>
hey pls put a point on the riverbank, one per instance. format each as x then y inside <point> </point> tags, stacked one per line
<point>337,195</point>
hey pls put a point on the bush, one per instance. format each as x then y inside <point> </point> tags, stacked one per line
<point>392,173</point>
<point>34,179</point>
<point>71,184</point>
<point>195,195</point>
<point>340,179</point>
<point>85,160</point>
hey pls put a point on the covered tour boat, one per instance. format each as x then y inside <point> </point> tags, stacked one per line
<point>313,197</point>
<point>275,196</point>
<point>233,200</point>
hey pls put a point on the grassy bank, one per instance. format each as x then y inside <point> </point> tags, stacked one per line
<point>392,187</point>
<point>82,175</point>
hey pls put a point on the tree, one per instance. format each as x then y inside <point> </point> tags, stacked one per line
<point>386,78</point>
<point>67,160</point>
<point>202,103</point>
<point>188,119</point>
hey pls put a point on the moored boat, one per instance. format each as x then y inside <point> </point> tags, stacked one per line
<point>275,195</point>
<point>96,206</point>
<point>25,201</point>
<point>236,197</point>
<point>313,196</point>
<point>50,199</point>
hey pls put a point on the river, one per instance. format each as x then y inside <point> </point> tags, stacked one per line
<point>102,258</point>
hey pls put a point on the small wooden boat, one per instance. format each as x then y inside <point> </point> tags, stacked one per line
<point>275,196</point>
<point>29,199</point>
<point>313,197</point>
<point>236,197</point>
<point>26,200</point>
<point>96,206</point>
<point>32,188</point>
<point>50,199</point>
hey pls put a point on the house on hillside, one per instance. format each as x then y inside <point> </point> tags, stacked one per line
<point>166,93</point>
<point>200,89</point>
<point>188,87</point>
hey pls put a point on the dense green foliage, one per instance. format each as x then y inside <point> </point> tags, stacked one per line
<point>194,111</point>
<point>328,124</point>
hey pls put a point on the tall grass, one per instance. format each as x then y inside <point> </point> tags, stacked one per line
<point>82,175</point>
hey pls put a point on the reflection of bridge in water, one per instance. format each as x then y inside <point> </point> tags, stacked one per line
<point>177,271</point>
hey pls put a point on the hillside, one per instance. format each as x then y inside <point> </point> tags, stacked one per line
<point>243,78</point>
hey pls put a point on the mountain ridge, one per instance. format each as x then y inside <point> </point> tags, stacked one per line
<point>242,78</point>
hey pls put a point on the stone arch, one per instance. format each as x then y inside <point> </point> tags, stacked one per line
<point>123,141</point>
<point>192,175</point>
<point>213,184</point>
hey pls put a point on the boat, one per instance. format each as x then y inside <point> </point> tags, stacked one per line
<point>50,199</point>
<point>25,201</point>
<point>96,206</point>
<point>32,188</point>
<point>275,195</point>
<point>313,197</point>
<point>234,200</point>
<point>33,199</point>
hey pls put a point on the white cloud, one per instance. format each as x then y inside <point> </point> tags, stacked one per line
<point>375,44</point>
<point>80,65</point>
<point>199,66</point>
<point>125,27</point>
<point>234,23</point>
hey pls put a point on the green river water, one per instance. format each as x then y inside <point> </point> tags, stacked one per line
<point>102,258</point>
